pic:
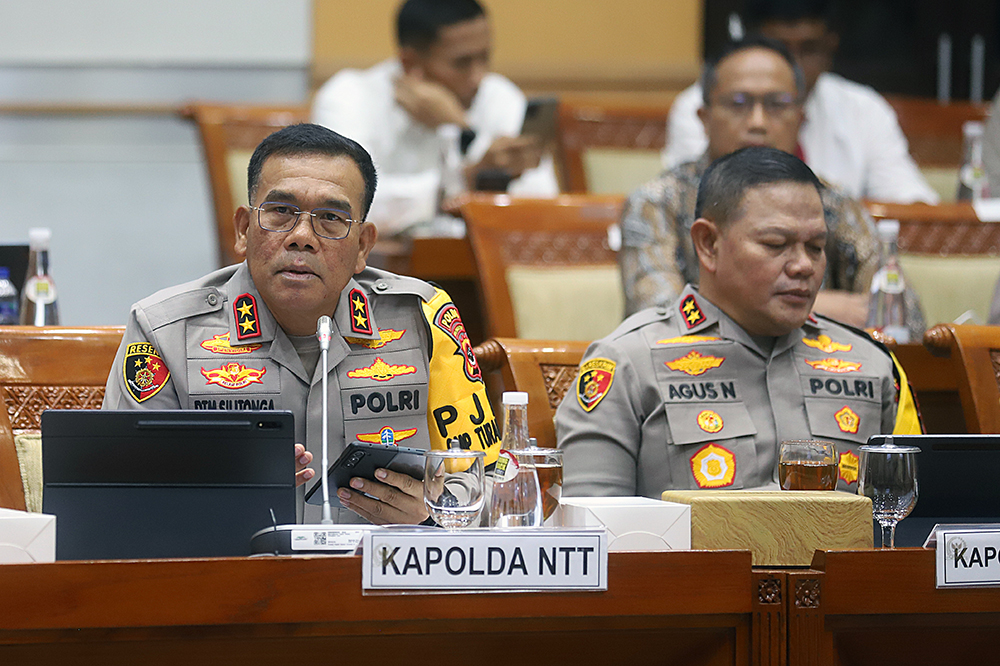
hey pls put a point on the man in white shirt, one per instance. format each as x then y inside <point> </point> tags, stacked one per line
<point>435,119</point>
<point>850,135</point>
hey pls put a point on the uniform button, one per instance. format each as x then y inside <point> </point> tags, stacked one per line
<point>212,299</point>
<point>381,285</point>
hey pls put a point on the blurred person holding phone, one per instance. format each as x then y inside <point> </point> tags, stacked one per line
<point>435,118</point>
<point>401,367</point>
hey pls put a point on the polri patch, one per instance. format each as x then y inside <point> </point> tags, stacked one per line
<point>713,466</point>
<point>826,344</point>
<point>233,376</point>
<point>386,435</point>
<point>361,316</point>
<point>710,421</point>
<point>247,321</point>
<point>847,420</point>
<point>594,382</point>
<point>694,363</point>
<point>448,320</point>
<point>381,371</point>
<point>219,344</point>
<point>849,466</point>
<point>837,365</point>
<point>144,370</point>
<point>691,312</point>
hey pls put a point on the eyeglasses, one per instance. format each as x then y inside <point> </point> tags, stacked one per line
<point>282,218</point>
<point>742,104</point>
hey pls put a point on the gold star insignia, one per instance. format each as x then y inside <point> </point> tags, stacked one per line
<point>153,366</point>
<point>692,317</point>
<point>138,362</point>
<point>360,319</point>
<point>248,325</point>
<point>245,309</point>
<point>359,304</point>
<point>689,307</point>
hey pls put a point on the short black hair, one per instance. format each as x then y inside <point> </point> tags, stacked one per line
<point>709,78</point>
<point>310,139</point>
<point>727,179</point>
<point>418,21</point>
<point>757,12</point>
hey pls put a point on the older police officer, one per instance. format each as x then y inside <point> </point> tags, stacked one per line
<point>698,394</point>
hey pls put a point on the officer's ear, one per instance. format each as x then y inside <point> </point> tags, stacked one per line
<point>705,236</point>
<point>241,221</point>
<point>366,241</point>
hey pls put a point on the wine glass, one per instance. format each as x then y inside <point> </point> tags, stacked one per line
<point>453,486</point>
<point>889,477</point>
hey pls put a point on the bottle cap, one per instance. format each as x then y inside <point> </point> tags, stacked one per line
<point>515,398</point>
<point>888,230</point>
<point>972,128</point>
<point>39,237</point>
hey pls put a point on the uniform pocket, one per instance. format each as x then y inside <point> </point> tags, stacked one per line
<point>712,445</point>
<point>848,425</point>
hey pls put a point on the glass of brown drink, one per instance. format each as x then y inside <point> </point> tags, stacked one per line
<point>807,465</point>
<point>548,464</point>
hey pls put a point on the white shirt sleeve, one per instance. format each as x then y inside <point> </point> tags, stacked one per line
<point>686,140</point>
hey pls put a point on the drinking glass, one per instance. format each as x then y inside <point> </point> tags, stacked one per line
<point>548,465</point>
<point>807,464</point>
<point>888,476</point>
<point>453,487</point>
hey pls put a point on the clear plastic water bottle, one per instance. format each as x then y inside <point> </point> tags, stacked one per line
<point>516,500</point>
<point>972,181</point>
<point>887,307</point>
<point>8,298</point>
<point>38,299</point>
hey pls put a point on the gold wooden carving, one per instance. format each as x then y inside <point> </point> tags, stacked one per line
<point>25,403</point>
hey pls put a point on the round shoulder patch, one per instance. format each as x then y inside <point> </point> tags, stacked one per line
<point>594,382</point>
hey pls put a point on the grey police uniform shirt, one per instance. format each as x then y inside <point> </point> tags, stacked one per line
<point>681,397</point>
<point>224,350</point>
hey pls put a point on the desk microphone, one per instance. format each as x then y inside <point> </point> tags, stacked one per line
<point>302,539</point>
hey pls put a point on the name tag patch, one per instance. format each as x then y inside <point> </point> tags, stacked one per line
<point>688,391</point>
<point>842,388</point>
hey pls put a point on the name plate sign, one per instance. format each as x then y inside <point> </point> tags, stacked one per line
<point>968,557</point>
<point>482,559</point>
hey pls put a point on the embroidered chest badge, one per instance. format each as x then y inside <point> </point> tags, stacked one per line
<point>847,420</point>
<point>233,376</point>
<point>694,363</point>
<point>834,365</point>
<point>448,320</point>
<point>710,421</point>
<point>361,319</point>
<point>386,335</point>
<point>381,371</point>
<point>826,344</point>
<point>594,382</point>
<point>219,344</point>
<point>247,321</point>
<point>144,370</point>
<point>386,435</point>
<point>713,466</point>
<point>849,466</point>
<point>686,340</point>
<point>691,312</point>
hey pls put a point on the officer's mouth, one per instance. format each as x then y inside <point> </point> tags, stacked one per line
<point>297,273</point>
<point>796,296</point>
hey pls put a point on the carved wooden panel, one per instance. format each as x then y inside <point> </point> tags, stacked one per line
<point>769,591</point>
<point>593,127</point>
<point>995,359</point>
<point>557,248</point>
<point>807,593</point>
<point>25,403</point>
<point>971,237</point>
<point>558,380</point>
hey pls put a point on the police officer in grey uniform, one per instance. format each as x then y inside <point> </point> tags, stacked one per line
<point>698,394</point>
<point>401,369</point>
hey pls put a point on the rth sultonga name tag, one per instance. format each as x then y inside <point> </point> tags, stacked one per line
<point>529,559</point>
<point>968,557</point>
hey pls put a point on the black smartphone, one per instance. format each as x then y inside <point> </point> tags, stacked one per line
<point>362,459</point>
<point>540,118</point>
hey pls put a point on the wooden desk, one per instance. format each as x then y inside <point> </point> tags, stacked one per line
<point>881,607</point>
<point>679,607</point>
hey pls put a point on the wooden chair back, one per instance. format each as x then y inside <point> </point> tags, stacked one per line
<point>43,368</point>
<point>546,257</point>
<point>630,136</point>
<point>975,355</point>
<point>934,131</point>
<point>544,369</point>
<point>229,135</point>
<point>948,255</point>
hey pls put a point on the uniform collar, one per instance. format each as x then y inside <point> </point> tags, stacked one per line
<point>355,316</point>
<point>250,321</point>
